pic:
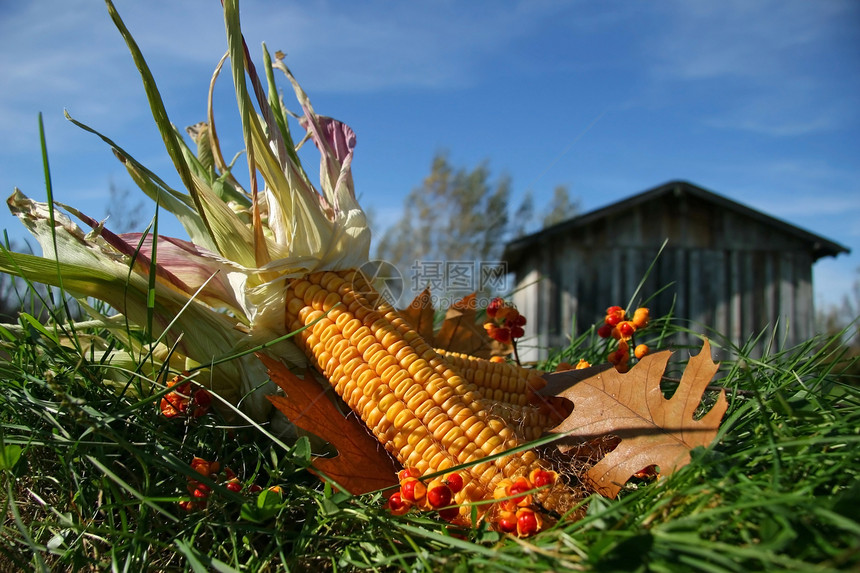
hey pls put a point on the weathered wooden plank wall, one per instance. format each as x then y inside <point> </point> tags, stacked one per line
<point>721,274</point>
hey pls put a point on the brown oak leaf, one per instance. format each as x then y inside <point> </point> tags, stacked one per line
<point>631,406</point>
<point>361,464</point>
<point>420,315</point>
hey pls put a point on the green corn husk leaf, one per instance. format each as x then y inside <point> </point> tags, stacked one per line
<point>177,203</point>
<point>87,266</point>
<point>224,294</point>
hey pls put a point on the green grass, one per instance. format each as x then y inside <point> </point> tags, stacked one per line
<point>92,474</point>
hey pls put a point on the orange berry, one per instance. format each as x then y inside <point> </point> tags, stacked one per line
<point>505,313</point>
<point>201,466</point>
<point>583,363</point>
<point>497,359</point>
<point>641,350</point>
<point>641,317</point>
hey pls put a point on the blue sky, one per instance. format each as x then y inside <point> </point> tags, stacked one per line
<point>754,99</point>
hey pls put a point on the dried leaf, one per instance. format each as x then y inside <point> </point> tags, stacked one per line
<point>420,315</point>
<point>460,331</point>
<point>362,465</point>
<point>652,429</point>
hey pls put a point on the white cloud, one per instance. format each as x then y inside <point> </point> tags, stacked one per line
<point>772,65</point>
<point>753,39</point>
<point>57,54</point>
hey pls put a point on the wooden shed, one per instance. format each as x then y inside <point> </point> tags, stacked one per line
<point>725,267</point>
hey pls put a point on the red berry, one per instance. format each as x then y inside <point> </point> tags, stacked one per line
<point>439,496</point>
<point>614,315</point>
<point>396,505</point>
<point>605,331</point>
<point>454,481</point>
<point>646,472</point>
<point>494,307</point>
<point>517,332</point>
<point>202,402</point>
<point>626,329</point>
<point>616,356</point>
<point>412,489</point>
<point>520,487</point>
<point>449,513</point>
<point>542,478</point>
<point>527,522</point>
<point>502,334</point>
<point>234,485</point>
<point>408,472</point>
<point>200,494</point>
<point>507,522</point>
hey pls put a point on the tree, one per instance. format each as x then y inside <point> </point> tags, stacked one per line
<point>460,217</point>
<point>523,220</point>
<point>123,216</point>
<point>455,215</point>
<point>561,208</point>
<point>844,321</point>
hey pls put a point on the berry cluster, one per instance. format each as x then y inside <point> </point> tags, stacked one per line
<point>187,399</point>
<point>437,495</point>
<point>515,502</point>
<point>617,326</point>
<point>200,492</point>
<point>506,323</point>
<point>514,510</point>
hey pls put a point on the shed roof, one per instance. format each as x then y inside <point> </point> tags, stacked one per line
<point>818,245</point>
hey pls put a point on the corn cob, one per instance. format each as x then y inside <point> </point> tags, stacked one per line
<point>499,381</point>
<point>508,392</point>
<point>421,410</point>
